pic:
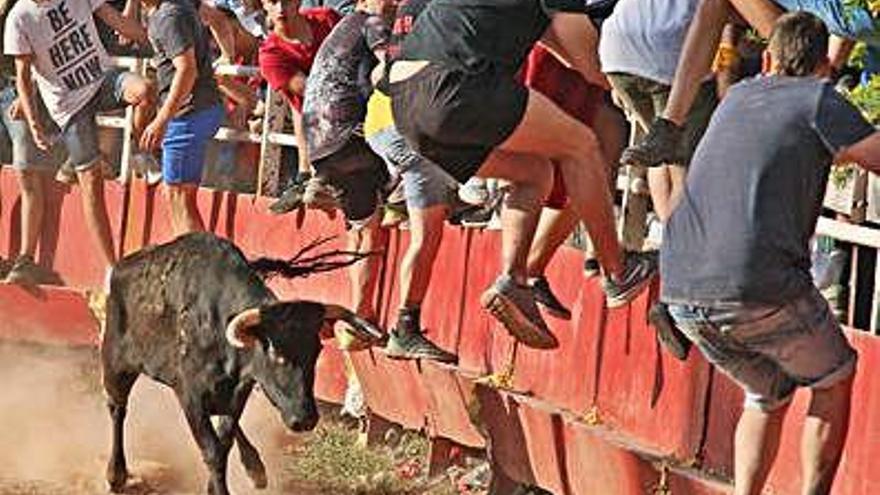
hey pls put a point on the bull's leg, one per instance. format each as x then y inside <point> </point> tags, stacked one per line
<point>229,430</point>
<point>214,451</point>
<point>118,387</point>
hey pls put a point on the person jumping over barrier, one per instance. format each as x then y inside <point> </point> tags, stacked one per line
<point>456,99</point>
<point>56,42</point>
<point>191,111</point>
<point>735,258</point>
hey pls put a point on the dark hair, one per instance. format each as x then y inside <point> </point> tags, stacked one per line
<point>798,44</point>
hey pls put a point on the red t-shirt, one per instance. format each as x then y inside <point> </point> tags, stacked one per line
<point>280,60</point>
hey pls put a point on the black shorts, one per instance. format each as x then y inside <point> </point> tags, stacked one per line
<point>456,118</point>
<point>359,176</point>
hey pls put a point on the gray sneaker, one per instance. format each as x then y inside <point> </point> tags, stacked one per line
<point>661,146</point>
<point>25,272</point>
<point>514,306</point>
<point>414,345</point>
<point>638,270</point>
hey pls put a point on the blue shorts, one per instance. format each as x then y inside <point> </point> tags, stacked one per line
<point>183,148</point>
<point>425,184</point>
<point>80,134</point>
<point>770,350</point>
<point>24,152</point>
<point>850,22</point>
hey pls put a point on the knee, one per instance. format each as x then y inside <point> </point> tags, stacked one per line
<point>141,92</point>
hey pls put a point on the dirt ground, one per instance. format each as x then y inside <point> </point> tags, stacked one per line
<point>55,432</point>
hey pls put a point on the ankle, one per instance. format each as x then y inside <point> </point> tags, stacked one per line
<point>409,320</point>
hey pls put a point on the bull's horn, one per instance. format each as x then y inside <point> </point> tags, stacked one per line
<point>238,330</point>
<point>362,328</point>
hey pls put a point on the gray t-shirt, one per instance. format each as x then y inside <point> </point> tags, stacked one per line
<point>644,37</point>
<point>754,193</point>
<point>174,28</point>
<point>335,100</point>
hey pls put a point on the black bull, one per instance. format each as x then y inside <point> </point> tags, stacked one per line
<point>195,315</point>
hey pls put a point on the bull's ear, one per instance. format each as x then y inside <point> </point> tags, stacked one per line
<point>240,330</point>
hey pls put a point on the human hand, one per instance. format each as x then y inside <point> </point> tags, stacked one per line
<point>41,139</point>
<point>15,110</point>
<point>153,134</point>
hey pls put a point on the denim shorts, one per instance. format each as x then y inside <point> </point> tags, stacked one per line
<point>25,154</point>
<point>770,350</point>
<point>425,184</point>
<point>80,134</point>
<point>183,148</point>
<point>851,22</point>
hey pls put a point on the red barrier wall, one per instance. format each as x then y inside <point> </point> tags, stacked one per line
<point>608,364</point>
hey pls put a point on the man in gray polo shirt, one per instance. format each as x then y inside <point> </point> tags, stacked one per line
<point>735,262</point>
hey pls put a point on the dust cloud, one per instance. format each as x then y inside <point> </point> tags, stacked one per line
<point>55,430</point>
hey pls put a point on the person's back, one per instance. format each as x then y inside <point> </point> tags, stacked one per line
<point>754,192</point>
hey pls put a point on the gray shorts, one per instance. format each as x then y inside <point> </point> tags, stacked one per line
<point>25,154</point>
<point>80,134</point>
<point>647,99</point>
<point>771,350</point>
<point>425,184</point>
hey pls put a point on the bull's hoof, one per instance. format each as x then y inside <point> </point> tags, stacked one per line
<point>258,477</point>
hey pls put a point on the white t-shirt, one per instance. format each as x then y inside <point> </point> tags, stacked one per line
<point>644,37</point>
<point>69,59</point>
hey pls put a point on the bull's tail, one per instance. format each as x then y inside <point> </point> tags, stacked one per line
<point>303,263</point>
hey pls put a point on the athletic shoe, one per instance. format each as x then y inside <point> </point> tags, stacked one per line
<point>66,174</point>
<point>414,345</point>
<point>591,266</point>
<point>477,218</point>
<point>667,333</point>
<point>474,192</point>
<point>146,165</point>
<point>5,266</point>
<point>289,200</point>
<point>393,215</point>
<point>25,272</point>
<point>514,306</point>
<point>638,270</point>
<point>660,146</point>
<point>545,297</point>
<point>320,195</point>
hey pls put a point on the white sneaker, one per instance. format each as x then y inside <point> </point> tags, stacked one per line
<point>474,192</point>
<point>146,165</point>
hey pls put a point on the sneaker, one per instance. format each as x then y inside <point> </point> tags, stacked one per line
<point>290,199</point>
<point>393,215</point>
<point>591,267</point>
<point>474,192</point>
<point>514,306</point>
<point>667,333</point>
<point>660,146</point>
<point>5,266</point>
<point>414,345</point>
<point>545,297</point>
<point>66,174</point>
<point>146,165</point>
<point>639,268</point>
<point>477,218</point>
<point>319,194</point>
<point>25,272</point>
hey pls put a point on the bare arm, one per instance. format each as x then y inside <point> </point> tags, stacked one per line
<point>27,100</point>
<point>866,153</point>
<point>574,40</point>
<point>126,26</point>
<point>305,165</point>
<point>182,85</point>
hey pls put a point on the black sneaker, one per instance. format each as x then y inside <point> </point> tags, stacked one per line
<point>661,146</point>
<point>289,200</point>
<point>591,267</point>
<point>477,218</point>
<point>545,297</point>
<point>514,306</point>
<point>667,333</point>
<point>638,270</point>
<point>25,272</point>
<point>5,266</point>
<point>414,345</point>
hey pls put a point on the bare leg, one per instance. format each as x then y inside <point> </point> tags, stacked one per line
<point>547,131</point>
<point>824,436</point>
<point>95,208</point>
<point>141,94</point>
<point>185,216</point>
<point>666,184</point>
<point>426,232</point>
<point>757,443</point>
<point>34,187</point>
<point>364,274</point>
<point>553,229</point>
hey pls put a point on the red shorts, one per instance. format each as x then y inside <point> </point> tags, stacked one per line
<point>568,89</point>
